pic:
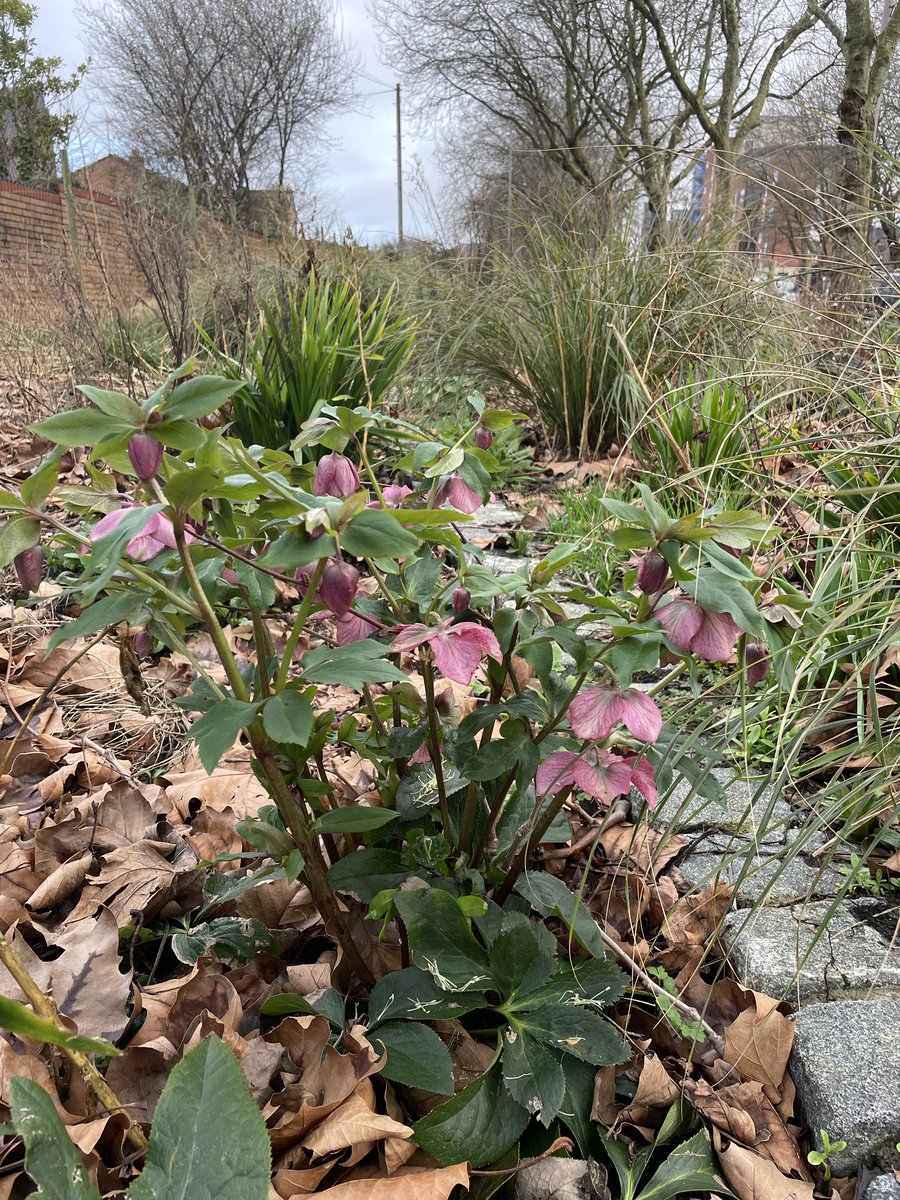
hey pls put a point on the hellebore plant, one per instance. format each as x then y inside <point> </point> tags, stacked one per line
<point>393,602</point>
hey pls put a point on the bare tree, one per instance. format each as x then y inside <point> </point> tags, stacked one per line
<point>226,93</point>
<point>751,40</point>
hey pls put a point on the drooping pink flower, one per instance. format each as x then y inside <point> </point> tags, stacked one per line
<point>756,656</point>
<point>156,536</point>
<point>597,772</point>
<point>336,476</point>
<point>698,630</point>
<point>455,492</point>
<point>340,583</point>
<point>652,572</point>
<point>595,711</point>
<point>457,648</point>
<point>395,493</point>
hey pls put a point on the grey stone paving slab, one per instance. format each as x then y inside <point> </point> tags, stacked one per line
<point>777,951</point>
<point>764,871</point>
<point>749,806</point>
<point>883,1187</point>
<point>490,521</point>
<point>846,1065</point>
<point>507,564</point>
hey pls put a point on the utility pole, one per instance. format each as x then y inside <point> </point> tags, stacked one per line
<point>399,174</point>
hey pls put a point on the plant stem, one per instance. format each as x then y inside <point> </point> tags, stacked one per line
<point>306,607</point>
<point>434,740</point>
<point>44,1007</point>
<point>314,868</point>
<point>207,613</point>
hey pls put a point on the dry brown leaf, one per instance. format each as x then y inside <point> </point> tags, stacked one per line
<point>303,1182</point>
<point>744,1112</point>
<point>752,1177</point>
<point>61,883</point>
<point>696,917</point>
<point>352,1122</point>
<point>409,1183</point>
<point>641,847</point>
<point>758,1042</point>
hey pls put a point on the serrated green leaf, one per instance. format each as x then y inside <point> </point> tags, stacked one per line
<point>688,1169</point>
<point>594,981</point>
<point>353,820</point>
<point>23,1022</point>
<point>375,533</point>
<point>51,1158</point>
<point>720,593</point>
<point>476,1126</point>
<point>328,1004</point>
<point>576,1031</point>
<point>533,1075</point>
<point>368,872</point>
<point>442,941</point>
<point>81,427</point>
<point>199,397</point>
<point>208,1138</point>
<point>288,718</point>
<point>416,1056</point>
<point>353,665</point>
<point>522,958</point>
<point>217,729</point>
<point>228,939</point>
<point>414,995</point>
<point>114,404</point>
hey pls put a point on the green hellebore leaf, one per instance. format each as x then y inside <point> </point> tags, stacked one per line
<point>442,941</point>
<point>416,1056</point>
<point>81,427</point>
<point>209,1137</point>
<point>217,729</point>
<point>353,820</point>
<point>199,397</point>
<point>533,1075</point>
<point>51,1158</point>
<point>353,665</point>
<point>477,1125</point>
<point>368,872</point>
<point>413,994</point>
<point>17,534</point>
<point>288,718</point>
<point>376,533</point>
<point>687,1170</point>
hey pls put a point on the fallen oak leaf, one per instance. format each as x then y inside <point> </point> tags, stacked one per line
<point>753,1177</point>
<point>758,1042</point>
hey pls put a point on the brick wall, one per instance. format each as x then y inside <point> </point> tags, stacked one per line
<point>36,256</point>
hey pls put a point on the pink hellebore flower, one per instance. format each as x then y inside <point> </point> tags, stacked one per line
<point>458,495</point>
<point>697,630</point>
<point>336,476</point>
<point>756,657</point>
<point>594,712</point>
<point>457,648</point>
<point>394,494</point>
<point>597,772</point>
<point>156,536</point>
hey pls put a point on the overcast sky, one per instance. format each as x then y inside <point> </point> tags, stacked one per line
<point>355,181</point>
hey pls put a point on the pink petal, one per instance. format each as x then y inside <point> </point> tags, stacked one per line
<point>555,773</point>
<point>483,638</point>
<point>717,637</point>
<point>143,547</point>
<point>640,715</point>
<point>459,495</point>
<point>644,780</point>
<point>351,628</point>
<point>395,493</point>
<point>108,523</point>
<point>162,530</point>
<point>411,636</point>
<point>602,775</point>
<point>594,712</point>
<point>457,657</point>
<point>681,619</point>
<point>422,755</point>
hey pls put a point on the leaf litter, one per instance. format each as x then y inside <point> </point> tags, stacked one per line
<point>110,836</point>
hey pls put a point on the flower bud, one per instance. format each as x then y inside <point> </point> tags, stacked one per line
<point>143,643</point>
<point>443,701</point>
<point>336,476</point>
<point>155,418</point>
<point>484,439</point>
<point>29,567</point>
<point>461,600</point>
<point>652,572</point>
<point>756,657</point>
<point>146,454</point>
<point>339,586</point>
